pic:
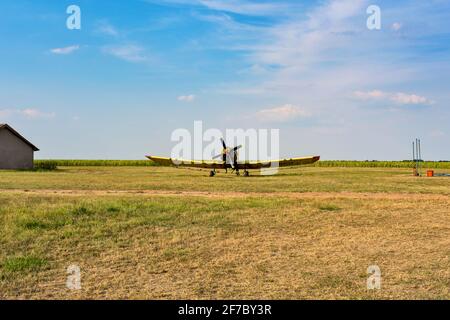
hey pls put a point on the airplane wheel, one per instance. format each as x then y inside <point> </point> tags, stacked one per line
<point>246,174</point>
<point>212,173</point>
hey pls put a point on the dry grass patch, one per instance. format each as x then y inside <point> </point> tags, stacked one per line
<point>142,246</point>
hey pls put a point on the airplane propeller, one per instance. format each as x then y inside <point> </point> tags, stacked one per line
<point>224,151</point>
<point>223,143</point>
<point>227,151</point>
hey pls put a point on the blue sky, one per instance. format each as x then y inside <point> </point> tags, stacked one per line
<point>139,69</point>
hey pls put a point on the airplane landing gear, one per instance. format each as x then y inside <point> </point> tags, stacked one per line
<point>212,173</point>
<point>246,173</point>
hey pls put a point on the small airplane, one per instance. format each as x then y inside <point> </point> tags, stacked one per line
<point>229,160</point>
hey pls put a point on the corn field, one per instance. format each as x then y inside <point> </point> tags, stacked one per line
<point>383,164</point>
<point>325,163</point>
<point>98,163</point>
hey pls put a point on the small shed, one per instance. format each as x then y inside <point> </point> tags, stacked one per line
<point>16,152</point>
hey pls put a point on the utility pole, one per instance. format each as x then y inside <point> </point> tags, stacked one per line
<point>417,157</point>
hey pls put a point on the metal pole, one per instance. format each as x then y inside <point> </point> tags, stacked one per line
<point>417,156</point>
<point>420,158</point>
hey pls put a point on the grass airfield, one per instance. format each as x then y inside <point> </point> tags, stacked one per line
<point>166,233</point>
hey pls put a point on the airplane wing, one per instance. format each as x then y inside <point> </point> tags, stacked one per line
<point>169,162</point>
<point>250,165</point>
<point>278,163</point>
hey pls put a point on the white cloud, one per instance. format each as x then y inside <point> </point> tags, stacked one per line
<point>244,7</point>
<point>396,26</point>
<point>282,114</point>
<point>130,53</point>
<point>374,94</point>
<point>399,98</point>
<point>301,43</point>
<point>437,134</point>
<point>35,113</point>
<point>255,69</point>
<point>4,113</point>
<point>107,29</point>
<point>188,98</point>
<point>65,50</point>
<point>29,113</point>
<point>403,98</point>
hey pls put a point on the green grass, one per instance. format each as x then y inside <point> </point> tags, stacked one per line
<point>22,264</point>
<point>329,207</point>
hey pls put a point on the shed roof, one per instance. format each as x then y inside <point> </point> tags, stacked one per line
<point>18,135</point>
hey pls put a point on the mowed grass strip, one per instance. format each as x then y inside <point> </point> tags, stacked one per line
<point>201,248</point>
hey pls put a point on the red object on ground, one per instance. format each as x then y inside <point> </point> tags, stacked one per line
<point>430,173</point>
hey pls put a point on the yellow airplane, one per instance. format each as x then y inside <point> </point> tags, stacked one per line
<point>230,161</point>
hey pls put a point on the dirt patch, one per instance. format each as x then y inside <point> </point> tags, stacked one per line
<point>227,194</point>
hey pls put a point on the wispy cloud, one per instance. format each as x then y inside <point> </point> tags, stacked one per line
<point>318,57</point>
<point>396,26</point>
<point>244,7</point>
<point>399,97</point>
<point>29,113</point>
<point>36,114</point>
<point>104,27</point>
<point>187,98</point>
<point>437,134</point>
<point>65,50</point>
<point>283,113</point>
<point>300,43</point>
<point>404,98</point>
<point>4,113</point>
<point>130,53</point>
<point>370,95</point>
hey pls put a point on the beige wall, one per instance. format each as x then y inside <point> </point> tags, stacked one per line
<point>14,153</point>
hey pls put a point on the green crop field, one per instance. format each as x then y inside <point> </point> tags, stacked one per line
<point>384,164</point>
<point>326,163</point>
<point>98,163</point>
<point>155,233</point>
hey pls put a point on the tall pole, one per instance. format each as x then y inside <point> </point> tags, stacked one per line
<point>420,158</point>
<point>417,151</point>
<point>417,156</point>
